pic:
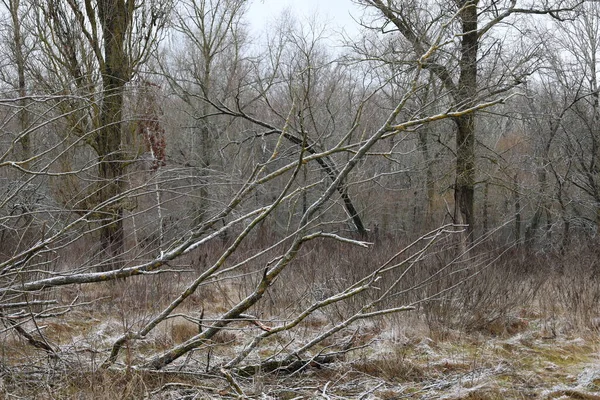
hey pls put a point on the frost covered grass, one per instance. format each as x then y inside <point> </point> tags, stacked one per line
<point>520,328</point>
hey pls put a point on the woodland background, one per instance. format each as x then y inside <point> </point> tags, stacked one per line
<point>185,208</point>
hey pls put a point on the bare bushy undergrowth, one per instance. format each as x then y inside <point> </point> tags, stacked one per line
<point>491,295</point>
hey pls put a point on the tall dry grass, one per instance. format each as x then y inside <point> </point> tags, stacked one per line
<point>494,291</point>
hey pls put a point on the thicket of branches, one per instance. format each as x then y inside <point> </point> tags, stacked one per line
<point>155,151</point>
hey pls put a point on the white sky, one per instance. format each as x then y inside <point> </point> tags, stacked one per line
<point>337,13</point>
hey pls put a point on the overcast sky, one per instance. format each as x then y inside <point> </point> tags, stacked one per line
<point>338,13</point>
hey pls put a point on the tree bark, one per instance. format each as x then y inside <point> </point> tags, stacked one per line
<point>465,134</point>
<point>24,139</point>
<point>114,17</point>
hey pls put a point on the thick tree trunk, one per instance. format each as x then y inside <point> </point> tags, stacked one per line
<point>114,17</point>
<point>465,133</point>
<point>112,237</point>
<point>464,188</point>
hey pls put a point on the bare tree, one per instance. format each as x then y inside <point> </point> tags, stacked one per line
<point>16,10</point>
<point>296,63</point>
<point>262,270</point>
<point>214,36</point>
<point>581,39</point>
<point>294,144</point>
<point>470,23</point>
<point>98,47</point>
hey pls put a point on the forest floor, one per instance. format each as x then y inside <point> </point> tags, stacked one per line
<point>529,364</point>
<point>532,363</point>
<point>525,358</point>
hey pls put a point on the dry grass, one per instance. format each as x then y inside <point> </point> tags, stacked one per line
<point>526,323</point>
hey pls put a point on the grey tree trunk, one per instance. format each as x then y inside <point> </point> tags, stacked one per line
<point>465,133</point>
<point>115,16</point>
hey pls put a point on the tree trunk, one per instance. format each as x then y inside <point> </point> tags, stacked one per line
<point>542,206</point>
<point>114,17</point>
<point>486,207</point>
<point>517,209</point>
<point>206,148</point>
<point>465,173</point>
<point>464,188</point>
<point>429,179</point>
<point>24,139</point>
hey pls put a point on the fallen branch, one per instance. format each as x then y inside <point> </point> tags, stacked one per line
<point>285,367</point>
<point>40,344</point>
